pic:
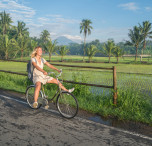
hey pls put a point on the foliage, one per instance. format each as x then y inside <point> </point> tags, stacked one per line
<point>136,38</point>
<point>51,47</point>
<point>130,105</point>
<point>63,51</point>
<point>6,45</point>
<point>91,51</point>
<point>5,22</point>
<point>44,36</point>
<point>19,31</point>
<point>146,32</point>
<point>108,48</point>
<point>85,27</point>
<point>118,52</point>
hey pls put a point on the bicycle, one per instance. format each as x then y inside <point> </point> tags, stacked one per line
<point>66,102</point>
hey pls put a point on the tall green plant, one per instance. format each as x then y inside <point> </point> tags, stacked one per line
<point>63,51</point>
<point>85,27</point>
<point>22,43</point>
<point>91,51</point>
<point>50,46</point>
<point>108,48</point>
<point>33,44</point>
<point>6,45</point>
<point>5,22</point>
<point>146,33</point>
<point>136,38</point>
<point>118,52</point>
<point>21,29</point>
<point>45,36</point>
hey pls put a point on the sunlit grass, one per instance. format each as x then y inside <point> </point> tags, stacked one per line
<point>126,68</point>
<point>69,58</point>
<point>131,104</point>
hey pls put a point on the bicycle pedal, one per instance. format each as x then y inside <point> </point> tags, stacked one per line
<point>40,100</point>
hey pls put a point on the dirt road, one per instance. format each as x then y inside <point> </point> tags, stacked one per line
<point>20,125</point>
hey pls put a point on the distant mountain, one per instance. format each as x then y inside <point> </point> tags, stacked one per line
<point>63,41</point>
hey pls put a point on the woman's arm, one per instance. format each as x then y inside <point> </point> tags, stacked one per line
<point>38,68</point>
<point>51,66</point>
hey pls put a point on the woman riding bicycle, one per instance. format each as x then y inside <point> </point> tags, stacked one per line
<point>40,75</point>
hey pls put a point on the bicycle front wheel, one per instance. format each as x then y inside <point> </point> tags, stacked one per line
<point>30,97</point>
<point>67,105</point>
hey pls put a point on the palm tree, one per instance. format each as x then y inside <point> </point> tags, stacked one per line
<point>118,52</point>
<point>136,38</point>
<point>91,51</point>
<point>108,48</point>
<point>50,46</point>
<point>86,29</point>
<point>22,43</point>
<point>146,33</point>
<point>44,36</point>
<point>5,22</point>
<point>21,29</point>
<point>63,51</point>
<point>6,45</point>
<point>33,44</point>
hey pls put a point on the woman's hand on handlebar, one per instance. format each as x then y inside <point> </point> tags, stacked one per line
<point>45,73</point>
<point>59,71</point>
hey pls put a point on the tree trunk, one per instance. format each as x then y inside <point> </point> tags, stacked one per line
<point>50,56</point>
<point>6,55</point>
<point>109,58</point>
<point>61,58</point>
<point>141,58</point>
<point>142,52</point>
<point>89,59</point>
<point>117,59</point>
<point>21,54</point>
<point>136,54</point>
<point>15,54</point>
<point>84,47</point>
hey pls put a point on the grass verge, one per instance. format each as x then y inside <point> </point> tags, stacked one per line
<point>131,105</point>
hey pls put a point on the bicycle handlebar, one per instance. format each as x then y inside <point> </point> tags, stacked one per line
<point>54,73</point>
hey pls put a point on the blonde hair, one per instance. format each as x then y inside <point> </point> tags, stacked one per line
<point>33,54</point>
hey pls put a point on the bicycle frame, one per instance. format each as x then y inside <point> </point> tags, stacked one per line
<point>44,95</point>
<point>57,92</point>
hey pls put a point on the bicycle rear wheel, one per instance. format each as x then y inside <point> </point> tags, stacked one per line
<point>30,97</point>
<point>67,105</point>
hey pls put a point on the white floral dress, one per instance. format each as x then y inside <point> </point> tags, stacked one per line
<point>38,76</point>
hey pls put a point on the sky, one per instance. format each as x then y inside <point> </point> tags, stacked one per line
<point>110,18</point>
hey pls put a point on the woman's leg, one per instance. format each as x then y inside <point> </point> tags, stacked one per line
<point>54,81</point>
<point>37,90</point>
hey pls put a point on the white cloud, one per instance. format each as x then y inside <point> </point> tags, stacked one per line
<point>53,33</point>
<point>55,15</point>
<point>43,19</point>
<point>17,11</point>
<point>148,9</point>
<point>129,6</point>
<point>76,37</point>
<point>63,20</point>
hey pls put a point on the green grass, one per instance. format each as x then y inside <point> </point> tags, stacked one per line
<point>134,90</point>
<point>125,68</point>
<point>70,58</point>
<point>132,105</point>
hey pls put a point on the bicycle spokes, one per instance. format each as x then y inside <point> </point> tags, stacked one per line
<point>67,105</point>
